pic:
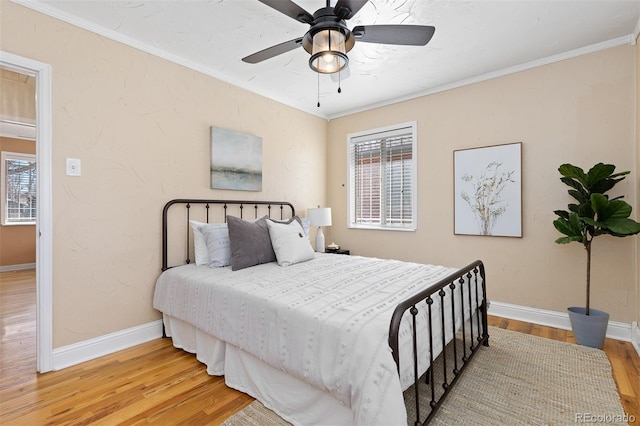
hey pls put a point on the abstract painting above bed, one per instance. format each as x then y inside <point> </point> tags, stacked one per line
<point>236,160</point>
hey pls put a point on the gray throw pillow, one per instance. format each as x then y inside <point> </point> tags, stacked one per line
<point>250,243</point>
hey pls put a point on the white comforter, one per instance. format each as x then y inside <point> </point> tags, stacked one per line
<point>325,321</point>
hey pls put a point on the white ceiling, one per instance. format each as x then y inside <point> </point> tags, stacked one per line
<point>474,40</point>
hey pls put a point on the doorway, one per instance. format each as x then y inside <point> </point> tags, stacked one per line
<point>44,222</point>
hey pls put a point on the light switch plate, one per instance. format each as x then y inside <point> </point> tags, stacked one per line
<point>73,167</point>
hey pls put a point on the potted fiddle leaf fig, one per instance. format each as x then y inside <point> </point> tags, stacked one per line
<point>593,215</point>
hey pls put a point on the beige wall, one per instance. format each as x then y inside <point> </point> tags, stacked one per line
<point>579,110</point>
<point>637,178</point>
<point>140,125</point>
<point>18,100</point>
<point>17,242</point>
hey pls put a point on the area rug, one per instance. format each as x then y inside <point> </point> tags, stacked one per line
<point>518,379</point>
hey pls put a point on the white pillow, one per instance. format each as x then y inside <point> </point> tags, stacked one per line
<point>218,245</point>
<point>211,242</point>
<point>289,242</point>
<point>306,224</point>
<point>199,245</point>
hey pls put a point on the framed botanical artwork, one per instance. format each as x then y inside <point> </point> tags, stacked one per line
<point>488,190</point>
<point>236,160</point>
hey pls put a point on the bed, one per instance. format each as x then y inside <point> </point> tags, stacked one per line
<point>329,339</point>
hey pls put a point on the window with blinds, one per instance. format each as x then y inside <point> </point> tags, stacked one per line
<point>19,179</point>
<point>382,178</point>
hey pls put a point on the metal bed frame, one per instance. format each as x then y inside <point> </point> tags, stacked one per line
<point>430,390</point>
<point>207,205</point>
<point>456,355</point>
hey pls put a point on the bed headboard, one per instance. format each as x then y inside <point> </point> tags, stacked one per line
<point>214,210</point>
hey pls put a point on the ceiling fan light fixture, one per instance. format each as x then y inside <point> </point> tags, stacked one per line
<point>328,52</point>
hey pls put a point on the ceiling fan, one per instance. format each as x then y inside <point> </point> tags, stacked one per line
<point>329,39</point>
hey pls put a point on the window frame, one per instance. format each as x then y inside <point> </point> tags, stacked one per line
<point>19,156</point>
<point>373,134</point>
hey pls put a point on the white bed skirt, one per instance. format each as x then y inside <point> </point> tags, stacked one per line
<point>293,400</point>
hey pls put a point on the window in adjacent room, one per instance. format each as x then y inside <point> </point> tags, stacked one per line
<point>382,178</point>
<point>18,188</point>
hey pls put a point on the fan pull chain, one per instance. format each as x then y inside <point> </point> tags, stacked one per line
<point>318,90</point>
<point>339,81</point>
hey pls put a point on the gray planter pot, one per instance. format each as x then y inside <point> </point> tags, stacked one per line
<point>589,330</point>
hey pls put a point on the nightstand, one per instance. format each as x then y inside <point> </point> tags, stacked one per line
<point>338,251</point>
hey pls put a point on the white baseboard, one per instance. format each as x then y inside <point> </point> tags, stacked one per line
<point>7,268</point>
<point>635,336</point>
<point>76,353</point>
<point>615,330</point>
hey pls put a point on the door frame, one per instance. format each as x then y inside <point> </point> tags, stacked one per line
<point>44,225</point>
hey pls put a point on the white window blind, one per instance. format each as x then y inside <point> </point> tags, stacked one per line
<point>382,178</point>
<point>19,196</point>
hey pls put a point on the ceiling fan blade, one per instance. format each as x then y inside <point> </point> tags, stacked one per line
<point>346,9</point>
<point>273,51</point>
<point>408,35</point>
<point>290,9</point>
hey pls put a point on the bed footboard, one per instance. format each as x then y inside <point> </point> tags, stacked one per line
<point>462,297</point>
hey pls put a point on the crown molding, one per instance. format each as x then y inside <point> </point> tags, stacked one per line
<point>628,39</point>
<point>89,26</point>
<point>17,129</point>
<point>152,50</point>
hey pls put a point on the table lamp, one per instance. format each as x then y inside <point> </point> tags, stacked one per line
<point>319,217</point>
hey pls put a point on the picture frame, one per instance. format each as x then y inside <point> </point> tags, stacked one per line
<point>236,160</point>
<point>488,190</point>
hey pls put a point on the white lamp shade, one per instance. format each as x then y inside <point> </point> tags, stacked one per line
<point>320,216</point>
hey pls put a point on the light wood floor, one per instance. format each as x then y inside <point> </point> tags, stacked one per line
<point>154,383</point>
